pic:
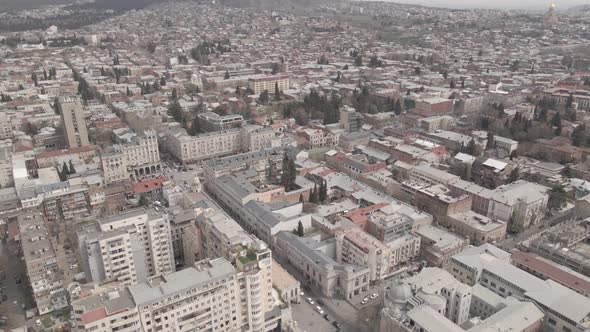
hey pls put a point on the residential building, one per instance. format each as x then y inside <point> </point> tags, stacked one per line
<point>261,83</point>
<point>438,245</point>
<point>43,273</point>
<point>5,126</point>
<point>354,246</point>
<point>467,265</point>
<point>350,120</point>
<point>209,121</point>
<point>477,228</point>
<point>72,117</point>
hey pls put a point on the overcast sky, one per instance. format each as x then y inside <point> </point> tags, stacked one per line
<point>536,4</point>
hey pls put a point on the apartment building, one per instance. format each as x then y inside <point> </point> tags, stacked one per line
<point>5,126</point>
<point>137,159</point>
<point>43,273</point>
<point>209,296</point>
<point>114,255</point>
<point>477,228</point>
<point>259,83</point>
<point>354,246</point>
<point>265,162</point>
<point>105,251</point>
<point>72,117</point>
<point>6,168</point>
<point>350,119</point>
<point>210,121</point>
<point>256,138</point>
<point>318,138</point>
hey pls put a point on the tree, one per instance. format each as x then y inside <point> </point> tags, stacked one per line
<point>62,174</point>
<point>277,92</point>
<point>397,108</point>
<point>289,173</point>
<point>375,62</point>
<point>579,135</point>
<point>175,110</point>
<point>513,154</point>
<point>570,101</point>
<point>264,97</point>
<point>471,148</point>
<point>417,71</point>
<point>514,175</point>
<point>144,200</point>
<point>163,81</point>
<point>490,142</point>
<point>238,92</point>
<point>452,84</point>
<point>35,79</point>
<point>557,198</point>
<point>556,120</point>
<point>226,76</point>
<point>314,196</point>
<point>345,67</point>
<point>174,94</point>
<point>64,168</point>
<point>300,230</point>
<point>72,169</point>
<point>358,61</point>
<point>301,199</point>
<point>323,195</point>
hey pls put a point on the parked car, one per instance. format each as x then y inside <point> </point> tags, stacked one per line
<point>320,301</point>
<point>364,301</point>
<point>38,322</point>
<point>374,296</point>
<point>309,300</point>
<point>326,317</point>
<point>319,309</point>
<point>336,324</point>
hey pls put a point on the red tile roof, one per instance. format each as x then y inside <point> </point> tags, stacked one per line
<point>149,185</point>
<point>94,315</point>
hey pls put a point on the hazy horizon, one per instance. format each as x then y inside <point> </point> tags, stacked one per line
<point>532,4</point>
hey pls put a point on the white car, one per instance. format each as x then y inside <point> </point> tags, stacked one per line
<point>310,300</point>
<point>364,301</point>
<point>38,322</point>
<point>374,296</point>
<point>302,294</point>
<point>319,309</point>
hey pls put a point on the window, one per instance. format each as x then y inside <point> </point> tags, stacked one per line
<point>551,321</point>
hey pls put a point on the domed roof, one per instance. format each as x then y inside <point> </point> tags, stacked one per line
<point>399,293</point>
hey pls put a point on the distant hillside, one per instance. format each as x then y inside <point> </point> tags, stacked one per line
<point>9,5</point>
<point>275,4</point>
<point>579,10</point>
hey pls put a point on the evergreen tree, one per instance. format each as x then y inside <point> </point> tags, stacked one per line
<point>174,94</point>
<point>226,76</point>
<point>72,169</point>
<point>34,78</point>
<point>358,61</point>
<point>63,176</point>
<point>64,169</point>
<point>264,97</point>
<point>471,148</point>
<point>277,92</point>
<point>129,94</point>
<point>514,175</point>
<point>397,109</point>
<point>490,142</point>
<point>289,173</point>
<point>345,67</point>
<point>238,92</point>
<point>163,81</point>
<point>323,195</point>
<point>301,199</point>
<point>579,135</point>
<point>175,110</point>
<point>144,200</point>
<point>556,120</point>
<point>314,197</point>
<point>300,230</point>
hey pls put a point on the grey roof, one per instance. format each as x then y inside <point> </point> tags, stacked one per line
<point>181,281</point>
<point>565,301</point>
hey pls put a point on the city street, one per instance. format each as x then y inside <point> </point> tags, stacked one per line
<point>12,269</point>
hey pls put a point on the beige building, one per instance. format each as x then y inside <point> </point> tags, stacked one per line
<point>6,177</point>
<point>5,126</point>
<point>478,228</point>
<point>137,159</point>
<point>260,83</point>
<point>438,245</point>
<point>72,117</point>
<point>355,246</point>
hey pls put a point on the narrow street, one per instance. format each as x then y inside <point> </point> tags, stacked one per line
<point>16,294</point>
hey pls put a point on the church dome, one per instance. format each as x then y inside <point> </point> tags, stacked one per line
<point>399,293</point>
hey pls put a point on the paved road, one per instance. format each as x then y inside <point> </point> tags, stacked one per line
<point>510,243</point>
<point>12,268</point>
<point>308,319</point>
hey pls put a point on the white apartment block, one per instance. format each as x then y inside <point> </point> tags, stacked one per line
<point>255,138</point>
<point>187,149</point>
<point>209,296</point>
<point>261,83</point>
<point>116,255</point>
<point>6,167</point>
<point>154,230</point>
<point>136,159</point>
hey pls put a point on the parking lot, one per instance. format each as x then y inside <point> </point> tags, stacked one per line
<point>309,319</point>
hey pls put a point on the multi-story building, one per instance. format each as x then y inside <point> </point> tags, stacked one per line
<point>466,266</point>
<point>350,120</point>
<point>437,122</point>
<point>44,275</point>
<point>477,228</point>
<point>212,295</point>
<point>354,246</point>
<point>438,245</point>
<point>136,159</point>
<point>148,234</point>
<point>5,126</point>
<point>439,201</point>
<point>309,257</point>
<point>264,162</point>
<point>260,83</point>
<point>318,138</point>
<point>113,255</point>
<point>6,168</point>
<point>502,143</point>
<point>72,116</point>
<point>189,149</point>
<point>210,121</point>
